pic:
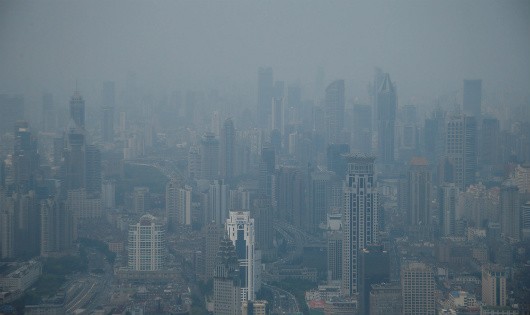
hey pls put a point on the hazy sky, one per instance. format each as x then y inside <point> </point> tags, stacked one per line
<point>428,47</point>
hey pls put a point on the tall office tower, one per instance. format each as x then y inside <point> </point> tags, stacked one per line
<point>335,159</point>
<point>472,98</point>
<point>461,149</point>
<point>385,299</point>
<point>194,163</point>
<point>319,197</point>
<point>525,221</point>
<point>93,170</point>
<point>334,244</point>
<point>25,157</point>
<point>74,159</point>
<point>49,118</point>
<point>184,208</point>
<point>141,200</point>
<point>434,136</point>
<point>108,105</point>
<point>7,229</point>
<point>11,110</point>
<point>209,156</point>
<point>217,202</point>
<point>362,128</point>
<point>418,200</point>
<point>417,287</point>
<point>493,285</point>
<point>510,211</point>
<point>479,205</point>
<point>447,203</point>
<point>228,150</point>
<point>489,143</point>
<point>108,194</point>
<point>58,228</point>
<point>27,224</point>
<point>386,105</point>
<point>277,115</point>
<point>147,244</point>
<point>335,103</point>
<point>291,196</point>
<point>226,281</point>
<point>213,233</point>
<point>521,177</point>
<point>374,269</point>
<point>267,167</point>
<point>263,215</point>
<point>77,110</point>
<point>172,192</point>
<point>240,228</point>
<point>359,217</point>
<point>265,94</point>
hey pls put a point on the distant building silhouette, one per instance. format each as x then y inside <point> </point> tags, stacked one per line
<point>386,106</point>
<point>265,95</point>
<point>472,100</point>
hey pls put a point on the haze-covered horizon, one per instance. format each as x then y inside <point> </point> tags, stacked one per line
<point>428,47</point>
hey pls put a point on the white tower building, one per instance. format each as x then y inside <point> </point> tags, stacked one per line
<point>146,244</point>
<point>240,228</point>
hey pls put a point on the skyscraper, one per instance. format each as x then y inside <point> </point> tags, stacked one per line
<point>386,105</point>
<point>77,110</point>
<point>74,159</point>
<point>265,94</point>
<point>227,281</point>
<point>360,217</point>
<point>209,156</point>
<point>510,211</point>
<point>417,286</point>
<point>25,157</point>
<point>217,202</point>
<point>472,98</point>
<point>461,149</point>
<point>93,170</point>
<point>494,285</point>
<point>335,103</point>
<point>228,150</point>
<point>146,244</point>
<point>447,203</point>
<point>213,234</point>
<point>172,190</point>
<point>419,181</point>
<point>240,228</point>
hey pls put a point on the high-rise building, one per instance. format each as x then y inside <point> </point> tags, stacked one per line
<point>226,281</point>
<point>209,156</point>
<point>74,159</point>
<point>108,194</point>
<point>386,106</point>
<point>7,229</point>
<point>265,95</point>
<point>334,255</point>
<point>525,221</point>
<point>418,289</point>
<point>267,167</point>
<point>319,197</point>
<point>184,207</point>
<point>335,159</point>
<point>335,103</point>
<point>510,211</point>
<point>419,187</point>
<point>360,217</point>
<point>262,212</point>
<point>93,170</point>
<point>228,150</point>
<point>447,203</point>
<point>146,247</point>
<point>494,285</point>
<point>240,229</point>
<point>461,149</point>
<point>374,269</point>
<point>25,157</point>
<point>489,143</point>
<point>141,200</point>
<point>58,229</point>
<point>77,110</point>
<point>217,202</point>
<point>194,163</point>
<point>291,196</point>
<point>213,234</point>
<point>11,110</point>
<point>108,105</point>
<point>472,97</point>
<point>277,115</point>
<point>434,136</point>
<point>172,191</point>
